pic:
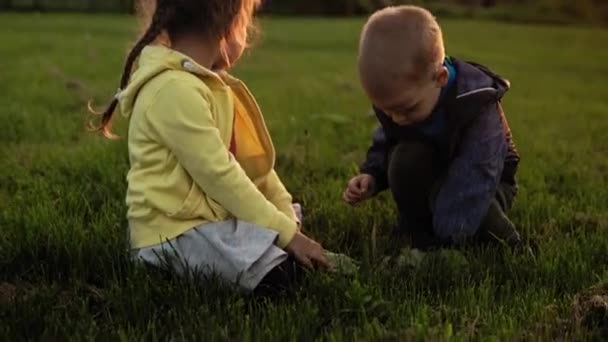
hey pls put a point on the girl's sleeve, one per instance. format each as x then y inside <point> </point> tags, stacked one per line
<point>277,194</point>
<point>181,118</point>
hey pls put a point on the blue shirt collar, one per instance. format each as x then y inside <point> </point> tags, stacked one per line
<point>451,78</point>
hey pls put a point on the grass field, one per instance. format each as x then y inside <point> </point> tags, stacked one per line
<point>64,270</point>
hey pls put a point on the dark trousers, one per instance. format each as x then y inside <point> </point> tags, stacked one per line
<point>415,176</point>
<point>281,279</point>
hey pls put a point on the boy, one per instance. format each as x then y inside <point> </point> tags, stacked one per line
<point>444,147</point>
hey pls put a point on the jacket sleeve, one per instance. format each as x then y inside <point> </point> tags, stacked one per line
<point>274,190</point>
<point>182,119</point>
<point>472,177</point>
<point>376,163</point>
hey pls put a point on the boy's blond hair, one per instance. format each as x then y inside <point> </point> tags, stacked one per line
<point>397,43</point>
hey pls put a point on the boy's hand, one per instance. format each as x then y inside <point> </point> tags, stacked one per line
<point>308,252</point>
<point>359,189</point>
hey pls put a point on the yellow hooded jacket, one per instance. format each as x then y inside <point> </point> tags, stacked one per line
<point>182,174</point>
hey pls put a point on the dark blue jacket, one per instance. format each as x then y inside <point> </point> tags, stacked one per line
<point>479,154</point>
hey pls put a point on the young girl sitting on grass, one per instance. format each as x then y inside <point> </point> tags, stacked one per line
<point>202,190</point>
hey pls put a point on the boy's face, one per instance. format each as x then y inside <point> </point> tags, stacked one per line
<point>412,102</point>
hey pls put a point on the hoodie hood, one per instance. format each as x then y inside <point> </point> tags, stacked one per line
<point>478,84</point>
<point>154,60</point>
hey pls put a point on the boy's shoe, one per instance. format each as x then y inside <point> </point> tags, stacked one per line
<point>529,248</point>
<point>498,227</point>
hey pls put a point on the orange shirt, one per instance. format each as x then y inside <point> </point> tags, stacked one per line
<point>247,147</point>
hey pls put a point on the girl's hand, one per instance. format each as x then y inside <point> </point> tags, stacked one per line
<point>308,252</point>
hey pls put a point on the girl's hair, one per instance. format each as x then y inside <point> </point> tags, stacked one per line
<point>221,20</point>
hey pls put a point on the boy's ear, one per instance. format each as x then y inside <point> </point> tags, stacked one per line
<point>442,77</point>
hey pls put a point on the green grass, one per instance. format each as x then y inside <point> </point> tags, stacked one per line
<point>64,269</point>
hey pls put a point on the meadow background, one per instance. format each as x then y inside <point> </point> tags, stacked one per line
<point>64,266</point>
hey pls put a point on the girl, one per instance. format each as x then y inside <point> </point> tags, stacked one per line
<point>201,184</point>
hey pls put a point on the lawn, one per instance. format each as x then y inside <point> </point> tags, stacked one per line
<point>64,264</point>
